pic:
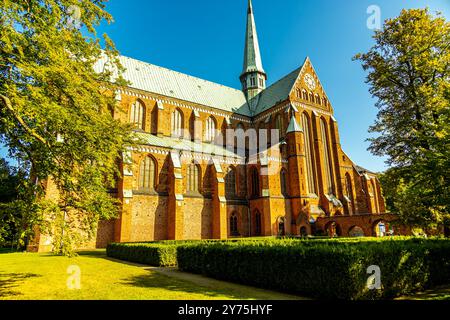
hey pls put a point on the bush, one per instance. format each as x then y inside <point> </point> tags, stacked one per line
<point>332,269</point>
<point>154,254</point>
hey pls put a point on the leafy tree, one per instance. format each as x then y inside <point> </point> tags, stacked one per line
<point>56,112</point>
<point>409,72</point>
<point>9,181</point>
<point>8,192</point>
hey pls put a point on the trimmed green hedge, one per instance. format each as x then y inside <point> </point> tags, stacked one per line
<point>154,254</point>
<point>323,269</point>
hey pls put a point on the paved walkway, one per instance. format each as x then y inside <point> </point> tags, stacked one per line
<point>213,283</point>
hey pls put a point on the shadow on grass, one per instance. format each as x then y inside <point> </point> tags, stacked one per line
<point>160,281</point>
<point>8,250</point>
<point>438,293</point>
<point>10,281</point>
<point>205,286</point>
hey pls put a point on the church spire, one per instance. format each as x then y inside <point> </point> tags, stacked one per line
<point>253,77</point>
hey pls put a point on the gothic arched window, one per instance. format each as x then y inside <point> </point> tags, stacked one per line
<point>326,157</point>
<point>137,115</point>
<point>234,225</point>
<point>309,155</point>
<point>279,123</point>
<point>147,173</point>
<point>255,182</point>
<point>305,95</point>
<point>210,129</point>
<point>318,100</point>
<point>349,193</point>
<point>230,183</point>
<point>193,178</point>
<point>177,123</point>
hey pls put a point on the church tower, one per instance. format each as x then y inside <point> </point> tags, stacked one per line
<point>253,77</point>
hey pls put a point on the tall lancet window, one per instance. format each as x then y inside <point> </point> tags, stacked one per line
<point>309,155</point>
<point>177,123</point>
<point>279,124</point>
<point>193,178</point>
<point>326,158</point>
<point>230,183</point>
<point>137,113</point>
<point>210,129</point>
<point>349,193</point>
<point>147,172</point>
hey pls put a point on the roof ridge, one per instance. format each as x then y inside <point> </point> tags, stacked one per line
<point>284,77</point>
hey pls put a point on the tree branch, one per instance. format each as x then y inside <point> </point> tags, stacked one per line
<point>22,122</point>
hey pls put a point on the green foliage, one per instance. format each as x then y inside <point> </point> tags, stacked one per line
<point>9,181</point>
<point>17,215</point>
<point>56,112</point>
<point>335,269</point>
<point>409,68</point>
<point>154,254</point>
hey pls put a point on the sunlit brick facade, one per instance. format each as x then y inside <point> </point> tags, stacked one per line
<point>188,180</point>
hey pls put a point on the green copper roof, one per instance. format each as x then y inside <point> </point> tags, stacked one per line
<point>184,145</point>
<point>277,92</point>
<point>252,55</point>
<point>153,79</point>
<point>293,126</point>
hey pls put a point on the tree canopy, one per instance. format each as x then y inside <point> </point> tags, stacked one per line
<point>409,72</point>
<point>56,111</point>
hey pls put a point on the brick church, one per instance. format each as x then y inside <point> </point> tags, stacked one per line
<point>199,175</point>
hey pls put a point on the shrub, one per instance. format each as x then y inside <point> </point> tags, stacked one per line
<point>333,269</point>
<point>154,254</point>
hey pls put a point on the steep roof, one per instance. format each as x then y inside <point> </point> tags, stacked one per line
<point>151,78</point>
<point>184,145</point>
<point>362,170</point>
<point>293,126</point>
<point>277,92</point>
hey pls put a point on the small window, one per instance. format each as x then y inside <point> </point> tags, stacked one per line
<point>281,227</point>
<point>193,178</point>
<point>318,99</point>
<point>311,97</point>
<point>234,225</point>
<point>147,174</point>
<point>279,123</point>
<point>305,95</point>
<point>137,115</point>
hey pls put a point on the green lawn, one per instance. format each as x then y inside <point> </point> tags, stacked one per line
<point>44,276</point>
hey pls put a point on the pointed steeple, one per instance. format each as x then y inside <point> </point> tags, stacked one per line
<point>293,126</point>
<point>253,77</point>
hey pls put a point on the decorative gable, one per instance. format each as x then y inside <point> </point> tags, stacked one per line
<point>309,90</point>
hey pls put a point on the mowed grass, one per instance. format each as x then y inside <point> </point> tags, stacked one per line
<point>33,276</point>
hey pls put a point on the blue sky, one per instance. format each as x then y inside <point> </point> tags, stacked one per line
<point>205,38</point>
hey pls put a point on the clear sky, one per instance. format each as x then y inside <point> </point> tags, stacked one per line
<point>205,38</point>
